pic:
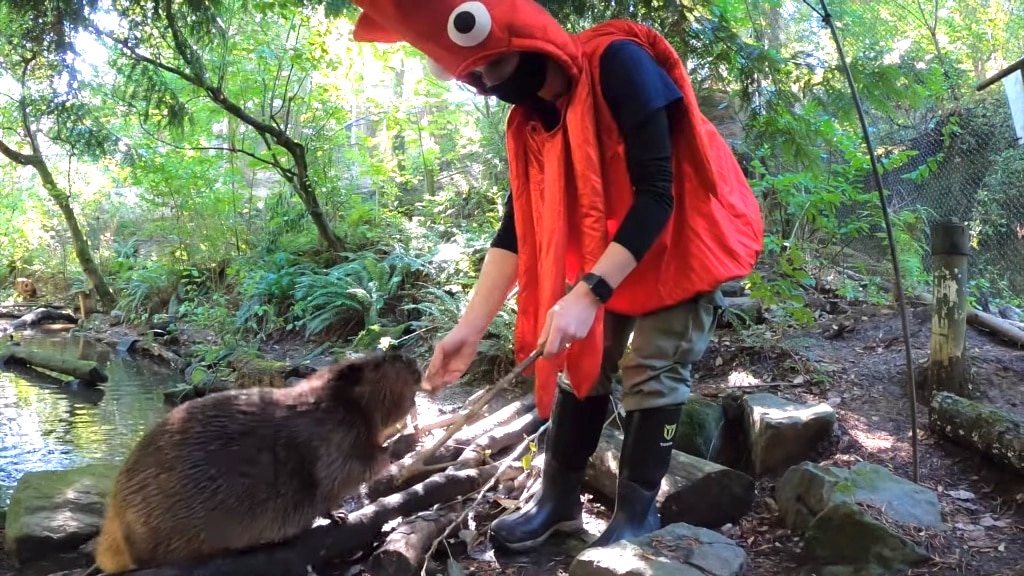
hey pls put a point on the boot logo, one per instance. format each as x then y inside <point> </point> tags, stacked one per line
<point>670,431</point>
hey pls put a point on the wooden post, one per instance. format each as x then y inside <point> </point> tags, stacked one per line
<point>948,366</point>
<point>82,301</point>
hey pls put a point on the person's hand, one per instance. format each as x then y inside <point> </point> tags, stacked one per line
<point>452,357</point>
<point>569,320</point>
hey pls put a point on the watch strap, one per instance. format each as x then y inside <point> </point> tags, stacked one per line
<point>600,287</point>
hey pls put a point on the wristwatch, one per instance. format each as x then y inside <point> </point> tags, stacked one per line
<point>598,286</point>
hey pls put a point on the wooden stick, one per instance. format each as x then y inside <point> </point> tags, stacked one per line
<point>483,490</point>
<point>416,466</point>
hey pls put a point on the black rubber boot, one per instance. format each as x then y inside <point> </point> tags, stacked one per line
<point>572,437</point>
<point>643,463</point>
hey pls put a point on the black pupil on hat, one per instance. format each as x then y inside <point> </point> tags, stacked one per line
<point>464,22</point>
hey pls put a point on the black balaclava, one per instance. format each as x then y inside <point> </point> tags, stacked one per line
<point>523,84</point>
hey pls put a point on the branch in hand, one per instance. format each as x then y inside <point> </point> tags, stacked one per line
<point>417,466</point>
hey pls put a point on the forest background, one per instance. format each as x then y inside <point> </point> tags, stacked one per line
<point>246,169</point>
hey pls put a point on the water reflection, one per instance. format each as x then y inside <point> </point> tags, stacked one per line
<point>45,426</point>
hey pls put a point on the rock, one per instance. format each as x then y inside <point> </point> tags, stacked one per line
<point>699,428</point>
<point>781,433</point>
<point>855,522</point>
<point>741,311</point>
<point>56,511</point>
<point>846,538</point>
<point>1009,313</point>
<point>733,289</point>
<point>806,490</point>
<point>675,550</point>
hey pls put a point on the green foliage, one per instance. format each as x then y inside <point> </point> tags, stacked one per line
<point>203,146</point>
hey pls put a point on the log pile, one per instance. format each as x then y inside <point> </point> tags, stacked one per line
<point>410,522</point>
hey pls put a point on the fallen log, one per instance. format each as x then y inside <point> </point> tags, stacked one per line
<point>1001,328</point>
<point>74,390</point>
<point>741,310</point>
<point>972,424</point>
<point>16,311</point>
<point>497,440</point>
<point>396,477</point>
<point>695,491</point>
<point>404,551</point>
<point>147,347</point>
<point>39,316</point>
<point>325,543</point>
<point>85,370</point>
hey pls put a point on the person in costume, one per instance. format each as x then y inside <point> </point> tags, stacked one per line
<point>627,212</point>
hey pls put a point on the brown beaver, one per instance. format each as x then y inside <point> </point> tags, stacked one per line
<point>239,468</point>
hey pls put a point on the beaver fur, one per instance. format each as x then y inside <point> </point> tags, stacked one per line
<point>240,468</point>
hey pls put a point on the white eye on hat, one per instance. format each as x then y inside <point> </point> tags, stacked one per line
<point>469,24</point>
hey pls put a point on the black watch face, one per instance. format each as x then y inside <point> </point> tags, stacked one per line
<point>599,287</point>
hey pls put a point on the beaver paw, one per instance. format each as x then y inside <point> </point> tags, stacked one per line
<point>338,518</point>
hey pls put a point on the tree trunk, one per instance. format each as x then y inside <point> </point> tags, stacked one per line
<point>195,73</point>
<point>82,250</point>
<point>60,198</point>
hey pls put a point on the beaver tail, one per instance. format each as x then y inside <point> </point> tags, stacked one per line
<point>112,554</point>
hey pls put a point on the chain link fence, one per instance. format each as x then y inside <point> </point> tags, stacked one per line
<point>966,164</point>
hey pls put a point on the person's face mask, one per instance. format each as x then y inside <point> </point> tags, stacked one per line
<point>525,81</point>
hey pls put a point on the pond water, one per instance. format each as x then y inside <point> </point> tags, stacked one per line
<point>44,426</point>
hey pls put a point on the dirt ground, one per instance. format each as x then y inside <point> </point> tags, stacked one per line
<point>860,374</point>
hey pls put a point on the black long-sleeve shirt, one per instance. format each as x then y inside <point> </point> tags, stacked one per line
<point>638,93</point>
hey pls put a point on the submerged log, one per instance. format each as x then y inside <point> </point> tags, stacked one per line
<point>695,491</point>
<point>85,370</point>
<point>972,424</point>
<point>404,552</point>
<point>322,544</point>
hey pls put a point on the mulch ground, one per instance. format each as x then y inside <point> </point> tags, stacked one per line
<point>859,373</point>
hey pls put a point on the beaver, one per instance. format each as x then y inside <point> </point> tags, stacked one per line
<point>240,468</point>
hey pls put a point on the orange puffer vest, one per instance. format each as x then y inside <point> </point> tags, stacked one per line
<point>571,190</point>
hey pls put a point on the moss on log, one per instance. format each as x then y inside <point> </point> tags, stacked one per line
<point>973,424</point>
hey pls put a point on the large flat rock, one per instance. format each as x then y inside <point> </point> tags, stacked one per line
<point>859,521</point>
<point>57,511</point>
<point>675,550</point>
